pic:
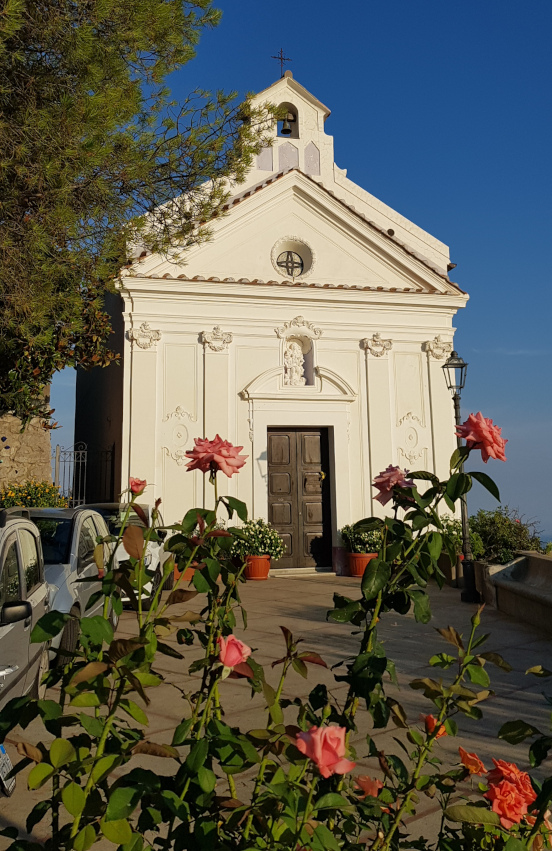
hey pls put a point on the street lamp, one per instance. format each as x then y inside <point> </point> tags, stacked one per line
<point>455,369</point>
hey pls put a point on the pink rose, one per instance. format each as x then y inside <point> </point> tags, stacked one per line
<point>388,479</point>
<point>480,433</point>
<point>507,802</point>
<point>325,746</point>
<point>137,486</point>
<point>232,651</point>
<point>210,456</point>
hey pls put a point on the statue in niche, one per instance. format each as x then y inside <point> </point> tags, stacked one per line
<point>294,364</point>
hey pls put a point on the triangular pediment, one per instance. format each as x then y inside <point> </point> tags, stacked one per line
<point>337,246</point>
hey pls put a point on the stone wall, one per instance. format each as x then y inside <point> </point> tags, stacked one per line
<point>24,454</point>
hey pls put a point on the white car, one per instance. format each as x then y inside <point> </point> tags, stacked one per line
<point>113,513</point>
<point>68,542</point>
<point>23,601</point>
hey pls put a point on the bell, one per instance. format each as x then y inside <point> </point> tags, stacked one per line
<point>286,129</point>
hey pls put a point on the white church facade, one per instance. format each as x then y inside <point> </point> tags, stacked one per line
<point>311,330</point>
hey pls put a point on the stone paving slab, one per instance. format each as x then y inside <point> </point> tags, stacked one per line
<point>301,604</point>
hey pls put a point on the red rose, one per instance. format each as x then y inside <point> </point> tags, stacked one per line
<point>326,747</point>
<point>480,433</point>
<point>430,723</point>
<point>472,762</point>
<point>507,802</point>
<point>520,779</point>
<point>210,456</point>
<point>368,785</point>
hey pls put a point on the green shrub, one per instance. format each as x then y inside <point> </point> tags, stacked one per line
<point>503,532</point>
<point>453,528</point>
<point>32,494</point>
<point>356,541</point>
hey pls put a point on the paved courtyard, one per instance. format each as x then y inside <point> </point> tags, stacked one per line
<point>301,604</point>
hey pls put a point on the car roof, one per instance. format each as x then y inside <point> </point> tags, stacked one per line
<point>64,513</point>
<point>112,506</point>
<point>14,512</point>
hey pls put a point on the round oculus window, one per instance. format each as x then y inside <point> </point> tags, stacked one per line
<point>290,263</point>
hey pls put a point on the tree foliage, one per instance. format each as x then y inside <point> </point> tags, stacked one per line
<point>95,159</point>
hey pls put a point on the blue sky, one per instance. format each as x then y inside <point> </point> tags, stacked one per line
<point>442,110</point>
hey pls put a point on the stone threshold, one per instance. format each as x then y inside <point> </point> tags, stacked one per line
<point>283,572</point>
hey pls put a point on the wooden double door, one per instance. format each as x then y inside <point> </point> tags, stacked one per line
<point>299,495</point>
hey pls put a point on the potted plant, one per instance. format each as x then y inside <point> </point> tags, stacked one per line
<point>258,543</point>
<point>361,548</point>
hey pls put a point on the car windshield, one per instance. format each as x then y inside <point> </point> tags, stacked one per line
<point>114,518</point>
<point>55,533</point>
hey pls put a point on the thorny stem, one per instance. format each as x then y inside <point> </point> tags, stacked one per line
<point>262,768</point>
<point>308,806</point>
<point>424,752</point>
<point>100,749</point>
<point>115,548</point>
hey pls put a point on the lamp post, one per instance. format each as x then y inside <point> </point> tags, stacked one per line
<point>455,369</point>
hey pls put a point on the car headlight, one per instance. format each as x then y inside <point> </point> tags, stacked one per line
<point>147,560</point>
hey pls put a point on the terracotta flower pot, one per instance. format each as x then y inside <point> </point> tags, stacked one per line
<point>257,567</point>
<point>356,563</point>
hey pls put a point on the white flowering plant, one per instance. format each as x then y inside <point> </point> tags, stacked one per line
<point>360,541</point>
<point>258,538</point>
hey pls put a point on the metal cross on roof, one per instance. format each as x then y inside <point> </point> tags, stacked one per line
<point>281,59</point>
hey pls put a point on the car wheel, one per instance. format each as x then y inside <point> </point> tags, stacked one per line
<point>69,638</point>
<point>38,691</point>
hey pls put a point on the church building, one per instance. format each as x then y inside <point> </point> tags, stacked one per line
<point>311,330</point>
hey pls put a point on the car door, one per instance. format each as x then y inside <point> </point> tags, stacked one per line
<point>86,566</point>
<point>14,637</point>
<point>35,591</point>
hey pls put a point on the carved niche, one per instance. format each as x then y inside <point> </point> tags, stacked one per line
<point>298,335</point>
<point>217,339</point>
<point>144,337</point>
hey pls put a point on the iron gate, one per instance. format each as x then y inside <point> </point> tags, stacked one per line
<point>84,474</point>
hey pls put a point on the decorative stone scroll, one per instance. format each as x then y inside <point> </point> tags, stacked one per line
<point>144,337</point>
<point>174,434</point>
<point>409,447</point>
<point>438,348</point>
<point>217,340</point>
<point>376,346</point>
<point>296,326</point>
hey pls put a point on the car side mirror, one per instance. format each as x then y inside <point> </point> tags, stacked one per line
<point>15,612</point>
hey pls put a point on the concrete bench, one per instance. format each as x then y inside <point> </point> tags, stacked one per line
<point>522,588</point>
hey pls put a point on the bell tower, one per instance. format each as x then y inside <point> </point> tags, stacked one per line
<point>299,138</point>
